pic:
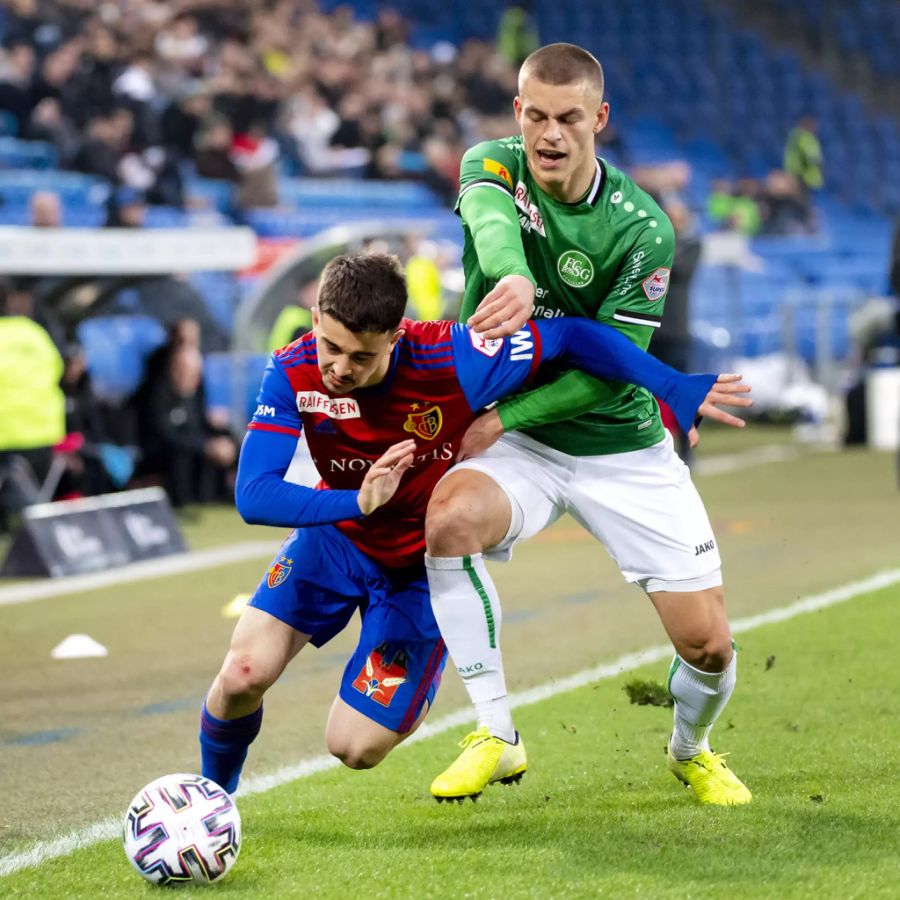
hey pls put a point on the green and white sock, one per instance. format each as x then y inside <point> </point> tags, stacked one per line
<point>699,698</point>
<point>467,609</point>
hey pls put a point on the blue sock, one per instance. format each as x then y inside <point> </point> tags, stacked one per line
<point>223,745</point>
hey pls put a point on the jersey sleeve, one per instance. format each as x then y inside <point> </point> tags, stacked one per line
<point>262,496</point>
<point>489,369</point>
<point>489,164</point>
<point>636,298</point>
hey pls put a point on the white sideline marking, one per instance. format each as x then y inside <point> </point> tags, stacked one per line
<point>208,559</point>
<point>44,851</point>
<point>140,571</point>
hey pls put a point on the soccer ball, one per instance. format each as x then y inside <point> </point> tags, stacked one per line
<point>182,828</point>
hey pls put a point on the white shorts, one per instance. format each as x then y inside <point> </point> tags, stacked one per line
<point>641,505</point>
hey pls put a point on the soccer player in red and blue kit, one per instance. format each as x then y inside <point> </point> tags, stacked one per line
<point>385,402</point>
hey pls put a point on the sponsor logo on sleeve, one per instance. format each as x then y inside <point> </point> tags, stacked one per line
<point>495,168</point>
<point>575,269</point>
<point>333,407</point>
<point>529,215</point>
<point>425,424</point>
<point>263,410</point>
<point>656,285</point>
<point>487,346</point>
<point>521,346</point>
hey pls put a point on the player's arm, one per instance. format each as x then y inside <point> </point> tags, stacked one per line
<point>490,370</point>
<point>487,207</point>
<point>262,495</point>
<point>627,308</point>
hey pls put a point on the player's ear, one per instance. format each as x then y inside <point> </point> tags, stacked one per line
<point>517,108</point>
<point>396,337</point>
<point>315,316</point>
<point>602,118</point>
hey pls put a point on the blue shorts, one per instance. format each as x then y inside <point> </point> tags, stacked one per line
<point>317,582</point>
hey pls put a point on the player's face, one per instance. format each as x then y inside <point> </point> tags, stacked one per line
<point>348,360</point>
<point>559,122</point>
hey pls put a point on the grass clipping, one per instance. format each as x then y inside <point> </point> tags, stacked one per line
<point>647,692</point>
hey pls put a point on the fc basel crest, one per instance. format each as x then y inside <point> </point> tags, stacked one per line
<point>278,571</point>
<point>426,424</point>
<point>382,674</point>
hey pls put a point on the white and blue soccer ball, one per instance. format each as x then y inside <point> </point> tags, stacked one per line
<point>181,829</point>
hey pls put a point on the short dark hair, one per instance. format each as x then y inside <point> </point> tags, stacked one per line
<point>562,64</point>
<point>365,292</point>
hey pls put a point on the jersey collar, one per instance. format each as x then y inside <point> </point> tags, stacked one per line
<point>592,197</point>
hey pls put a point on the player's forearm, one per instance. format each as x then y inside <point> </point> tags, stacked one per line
<point>263,497</point>
<point>491,217</point>
<point>603,352</point>
<point>570,395</point>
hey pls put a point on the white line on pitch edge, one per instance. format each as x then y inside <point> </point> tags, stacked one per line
<point>44,851</point>
<point>141,571</point>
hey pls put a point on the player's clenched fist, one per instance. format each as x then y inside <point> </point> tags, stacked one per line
<point>506,309</point>
<point>382,480</point>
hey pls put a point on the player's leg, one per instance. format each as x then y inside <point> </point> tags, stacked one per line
<point>390,681</point>
<point>645,509</point>
<point>309,593</point>
<point>230,720</point>
<point>483,505</point>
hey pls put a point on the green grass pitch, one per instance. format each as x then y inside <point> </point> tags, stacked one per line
<point>813,730</point>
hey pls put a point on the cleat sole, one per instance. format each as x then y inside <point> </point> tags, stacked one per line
<point>512,779</point>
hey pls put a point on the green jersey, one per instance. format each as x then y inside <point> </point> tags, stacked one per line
<point>607,257</point>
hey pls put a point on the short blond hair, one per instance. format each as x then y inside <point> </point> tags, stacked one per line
<point>562,64</point>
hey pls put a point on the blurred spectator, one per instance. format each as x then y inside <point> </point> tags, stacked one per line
<point>734,207</point>
<point>294,320</point>
<point>894,273</point>
<point>46,210</point>
<point>192,457</point>
<point>212,150</point>
<point>803,154</point>
<point>32,407</point>
<point>255,155</point>
<point>423,279</point>
<point>127,209</point>
<point>517,34</point>
<point>17,66</point>
<point>785,207</point>
<point>94,463</point>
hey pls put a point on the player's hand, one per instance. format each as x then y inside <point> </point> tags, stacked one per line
<point>504,310</point>
<point>481,434</point>
<point>726,391</point>
<point>383,479</point>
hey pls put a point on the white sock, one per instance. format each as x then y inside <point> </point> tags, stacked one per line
<point>467,610</point>
<point>699,699</point>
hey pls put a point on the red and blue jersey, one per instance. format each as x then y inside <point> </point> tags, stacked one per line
<point>441,375</point>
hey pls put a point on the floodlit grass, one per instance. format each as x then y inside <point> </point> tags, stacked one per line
<point>813,730</point>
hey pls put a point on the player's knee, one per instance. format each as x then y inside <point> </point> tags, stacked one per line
<point>712,654</point>
<point>355,755</point>
<point>453,526</point>
<point>244,675</point>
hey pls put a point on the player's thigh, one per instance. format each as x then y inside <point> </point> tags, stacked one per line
<point>315,584</point>
<point>533,479</point>
<point>395,670</point>
<point>645,510</point>
<point>358,741</point>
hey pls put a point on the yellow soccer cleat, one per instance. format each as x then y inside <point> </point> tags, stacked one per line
<point>485,760</point>
<point>713,782</point>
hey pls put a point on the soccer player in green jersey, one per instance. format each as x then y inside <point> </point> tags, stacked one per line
<point>550,230</point>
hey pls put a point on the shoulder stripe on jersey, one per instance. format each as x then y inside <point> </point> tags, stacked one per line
<point>293,349</point>
<point>486,182</point>
<point>425,349</point>
<point>301,361</point>
<point>278,429</point>
<point>416,364</point>
<point>637,318</point>
<point>594,196</point>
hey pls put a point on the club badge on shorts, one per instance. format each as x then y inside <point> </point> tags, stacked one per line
<point>381,675</point>
<point>278,571</point>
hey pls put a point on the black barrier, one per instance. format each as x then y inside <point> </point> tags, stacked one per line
<point>73,537</point>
